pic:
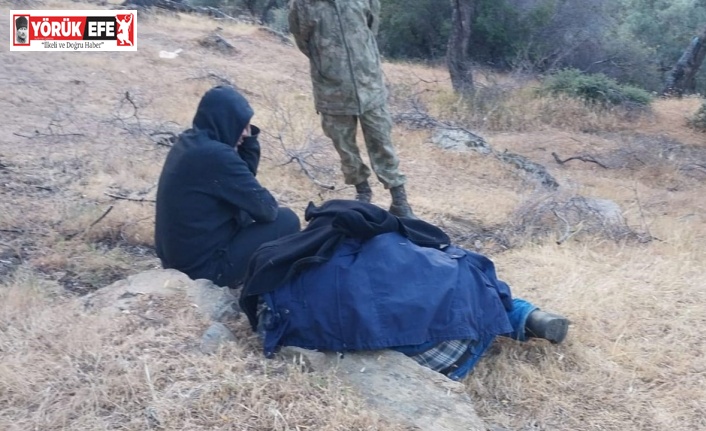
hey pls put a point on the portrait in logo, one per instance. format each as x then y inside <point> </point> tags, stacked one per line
<point>125,28</point>
<point>22,30</point>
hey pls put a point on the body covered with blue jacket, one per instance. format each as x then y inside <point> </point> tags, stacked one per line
<point>374,282</point>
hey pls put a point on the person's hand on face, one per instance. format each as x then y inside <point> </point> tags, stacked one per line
<point>246,134</point>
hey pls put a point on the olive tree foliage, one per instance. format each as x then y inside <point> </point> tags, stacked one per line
<point>503,33</point>
<point>414,29</point>
<point>664,29</point>
<point>634,41</point>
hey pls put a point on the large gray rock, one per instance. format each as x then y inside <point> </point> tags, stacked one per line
<point>532,169</point>
<point>458,139</point>
<point>399,388</point>
<point>125,296</point>
<point>567,215</point>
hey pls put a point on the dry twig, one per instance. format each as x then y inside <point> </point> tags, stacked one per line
<point>95,222</point>
<point>127,198</point>
<point>586,158</point>
<point>296,157</point>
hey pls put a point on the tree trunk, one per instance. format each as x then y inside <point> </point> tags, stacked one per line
<point>682,77</point>
<point>457,51</point>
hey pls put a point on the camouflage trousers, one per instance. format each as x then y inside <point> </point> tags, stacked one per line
<point>377,128</point>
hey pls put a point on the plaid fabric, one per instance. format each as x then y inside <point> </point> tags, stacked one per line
<point>443,355</point>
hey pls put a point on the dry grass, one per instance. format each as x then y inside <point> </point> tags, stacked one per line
<point>89,372</point>
<point>632,360</point>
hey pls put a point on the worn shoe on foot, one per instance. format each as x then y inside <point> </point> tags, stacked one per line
<point>552,327</point>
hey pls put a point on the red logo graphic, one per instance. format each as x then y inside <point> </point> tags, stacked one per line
<point>126,31</point>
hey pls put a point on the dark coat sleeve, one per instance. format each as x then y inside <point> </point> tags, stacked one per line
<point>249,151</point>
<point>236,184</point>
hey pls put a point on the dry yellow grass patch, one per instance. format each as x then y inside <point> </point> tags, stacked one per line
<point>64,369</point>
<point>632,358</point>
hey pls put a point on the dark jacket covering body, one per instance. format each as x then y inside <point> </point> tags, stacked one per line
<point>329,225</point>
<point>387,292</point>
<point>207,190</point>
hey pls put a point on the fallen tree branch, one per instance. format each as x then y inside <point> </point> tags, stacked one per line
<point>308,174</point>
<point>12,230</point>
<point>586,158</point>
<point>38,134</point>
<point>128,198</point>
<point>295,157</point>
<point>165,139</point>
<point>98,220</point>
<point>567,233</point>
<point>221,80</point>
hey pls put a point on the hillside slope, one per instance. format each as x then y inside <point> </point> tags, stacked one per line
<point>81,147</point>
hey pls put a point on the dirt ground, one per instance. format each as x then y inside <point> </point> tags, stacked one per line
<point>82,140</point>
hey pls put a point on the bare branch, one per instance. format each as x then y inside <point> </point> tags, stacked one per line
<point>585,158</point>
<point>567,233</point>
<point>294,156</point>
<point>311,177</point>
<point>98,220</point>
<point>38,134</point>
<point>127,198</point>
<point>164,139</point>
<point>12,230</point>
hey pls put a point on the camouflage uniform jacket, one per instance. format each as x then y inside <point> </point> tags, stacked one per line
<point>338,36</point>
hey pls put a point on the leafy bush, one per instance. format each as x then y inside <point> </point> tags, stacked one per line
<point>414,29</point>
<point>278,20</point>
<point>596,89</point>
<point>698,120</point>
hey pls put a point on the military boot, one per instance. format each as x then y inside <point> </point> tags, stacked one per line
<point>363,192</point>
<point>400,207</point>
<point>552,327</point>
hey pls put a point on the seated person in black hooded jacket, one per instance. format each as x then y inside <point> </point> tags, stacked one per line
<point>212,213</point>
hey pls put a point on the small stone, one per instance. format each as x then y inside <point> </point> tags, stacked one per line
<point>215,336</point>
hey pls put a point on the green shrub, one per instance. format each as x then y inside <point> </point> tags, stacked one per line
<point>698,120</point>
<point>595,89</point>
<point>278,20</point>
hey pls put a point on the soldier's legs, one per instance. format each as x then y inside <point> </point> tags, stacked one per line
<point>377,131</point>
<point>341,130</point>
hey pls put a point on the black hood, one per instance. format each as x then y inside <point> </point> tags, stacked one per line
<point>223,114</point>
